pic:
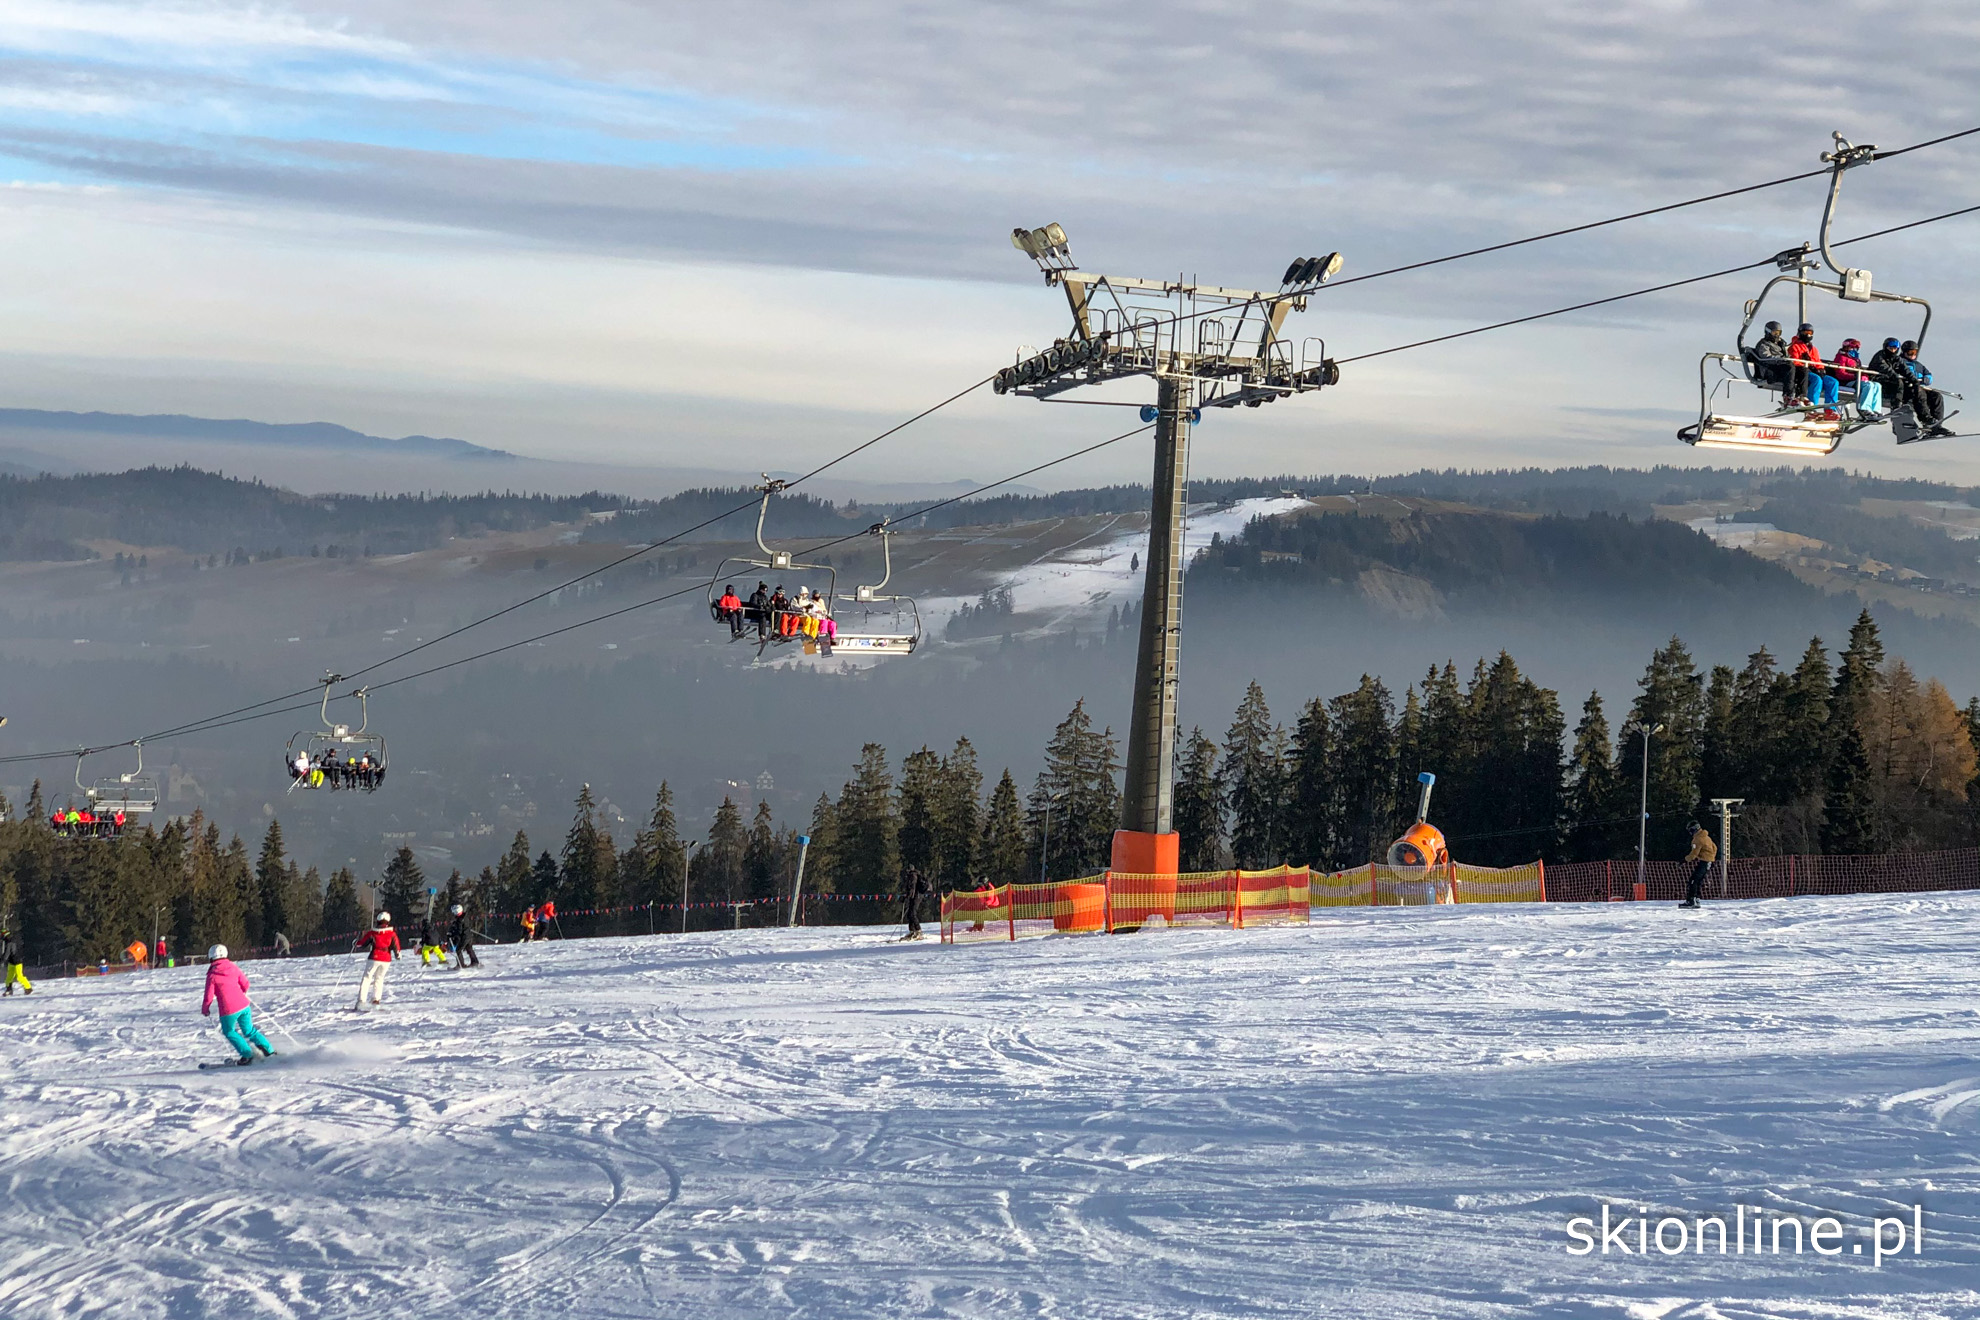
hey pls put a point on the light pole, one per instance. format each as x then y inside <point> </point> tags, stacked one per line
<point>687,847</point>
<point>1648,731</point>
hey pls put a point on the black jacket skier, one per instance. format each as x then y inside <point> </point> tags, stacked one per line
<point>462,939</point>
<point>914,887</point>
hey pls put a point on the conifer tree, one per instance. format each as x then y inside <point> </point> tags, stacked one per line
<point>920,783</point>
<point>821,862</point>
<point>1849,799</point>
<point>1366,773</point>
<point>1802,761</point>
<point>715,875</point>
<point>866,852</point>
<point>1309,823</point>
<point>342,913</point>
<point>1594,788</point>
<point>1251,776</point>
<point>1078,789</point>
<point>653,864</point>
<point>544,878</point>
<point>1510,742</point>
<point>1719,749</point>
<point>765,864</point>
<point>271,877</point>
<point>402,890</point>
<point>514,879</point>
<point>958,817</point>
<point>305,903</point>
<point>582,873</point>
<point>1199,806</point>
<point>1006,853</point>
<point>1671,693</point>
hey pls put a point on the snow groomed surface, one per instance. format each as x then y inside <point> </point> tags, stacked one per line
<point>1386,1113</point>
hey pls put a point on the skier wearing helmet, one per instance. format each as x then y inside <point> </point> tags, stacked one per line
<point>227,985</point>
<point>382,942</point>
<point>462,939</point>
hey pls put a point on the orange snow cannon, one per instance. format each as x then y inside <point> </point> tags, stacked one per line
<point>1421,847</point>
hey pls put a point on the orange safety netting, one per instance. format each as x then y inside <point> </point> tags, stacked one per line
<point>1117,900</point>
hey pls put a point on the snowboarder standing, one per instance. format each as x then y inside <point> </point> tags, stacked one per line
<point>228,985</point>
<point>10,954</point>
<point>462,939</point>
<point>1703,853</point>
<point>382,942</point>
<point>914,887</point>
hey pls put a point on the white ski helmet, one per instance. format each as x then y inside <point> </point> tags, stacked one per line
<point>459,910</point>
<point>382,919</point>
<point>216,953</point>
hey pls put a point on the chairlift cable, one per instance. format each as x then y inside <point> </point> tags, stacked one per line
<point>243,718</point>
<point>1638,293</point>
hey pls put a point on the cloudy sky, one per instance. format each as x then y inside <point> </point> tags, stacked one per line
<point>747,234</point>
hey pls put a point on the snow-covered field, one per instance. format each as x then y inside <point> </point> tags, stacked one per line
<point>1387,1114</point>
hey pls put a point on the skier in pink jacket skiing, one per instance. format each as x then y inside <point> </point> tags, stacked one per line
<point>227,985</point>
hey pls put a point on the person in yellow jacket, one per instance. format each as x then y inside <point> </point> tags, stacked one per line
<point>10,955</point>
<point>1703,853</point>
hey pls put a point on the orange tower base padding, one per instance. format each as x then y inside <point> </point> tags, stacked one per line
<point>1136,853</point>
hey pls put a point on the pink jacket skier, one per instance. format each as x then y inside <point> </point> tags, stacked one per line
<point>227,985</point>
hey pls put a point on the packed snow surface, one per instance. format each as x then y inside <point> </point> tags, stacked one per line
<point>1385,1114</point>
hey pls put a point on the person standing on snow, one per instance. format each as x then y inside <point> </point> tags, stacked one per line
<point>462,939</point>
<point>528,925</point>
<point>430,951</point>
<point>228,984</point>
<point>914,887</point>
<point>383,943</point>
<point>10,954</point>
<point>1703,853</point>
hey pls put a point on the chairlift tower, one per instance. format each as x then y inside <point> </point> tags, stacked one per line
<point>1206,347</point>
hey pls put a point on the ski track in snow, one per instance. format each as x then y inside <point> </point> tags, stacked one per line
<point>1386,1114</point>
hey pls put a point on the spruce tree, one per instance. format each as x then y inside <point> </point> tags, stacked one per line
<point>1671,693</point>
<point>1199,806</point>
<point>1594,789</point>
<point>1078,791</point>
<point>1366,773</point>
<point>1850,796</point>
<point>1308,824</point>
<point>654,862</point>
<point>1752,761</point>
<point>1006,856</point>
<point>1252,779</point>
<point>580,879</point>
<point>1719,770</point>
<point>514,880</point>
<point>821,861</point>
<point>958,817</point>
<point>718,865</point>
<point>1802,761</point>
<point>402,891</point>
<point>544,880</point>
<point>866,852</point>
<point>920,783</point>
<point>304,904</point>
<point>765,865</point>
<point>271,880</point>
<point>342,914</point>
<point>1510,741</point>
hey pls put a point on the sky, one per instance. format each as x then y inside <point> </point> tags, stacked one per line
<point>748,235</point>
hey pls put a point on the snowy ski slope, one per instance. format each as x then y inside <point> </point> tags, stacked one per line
<point>1388,1114</point>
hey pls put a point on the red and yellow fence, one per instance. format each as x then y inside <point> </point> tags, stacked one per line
<point>1119,900</point>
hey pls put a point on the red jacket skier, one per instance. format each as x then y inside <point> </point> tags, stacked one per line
<point>383,944</point>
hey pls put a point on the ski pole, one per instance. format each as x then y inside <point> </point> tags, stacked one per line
<point>276,1023</point>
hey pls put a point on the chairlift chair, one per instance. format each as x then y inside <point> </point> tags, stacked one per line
<point>337,756</point>
<point>109,804</point>
<point>1778,428</point>
<point>905,634</point>
<point>773,629</point>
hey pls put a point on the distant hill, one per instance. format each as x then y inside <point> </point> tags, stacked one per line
<point>49,518</point>
<point>174,426</point>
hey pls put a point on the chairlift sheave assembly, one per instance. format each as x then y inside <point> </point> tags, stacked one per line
<point>1779,425</point>
<point>337,756</point>
<point>109,804</point>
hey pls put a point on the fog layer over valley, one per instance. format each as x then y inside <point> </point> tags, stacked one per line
<point>145,601</point>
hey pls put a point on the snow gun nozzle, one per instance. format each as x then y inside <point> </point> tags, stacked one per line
<point>1429,781</point>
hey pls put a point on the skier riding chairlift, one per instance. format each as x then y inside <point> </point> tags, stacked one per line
<point>1794,428</point>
